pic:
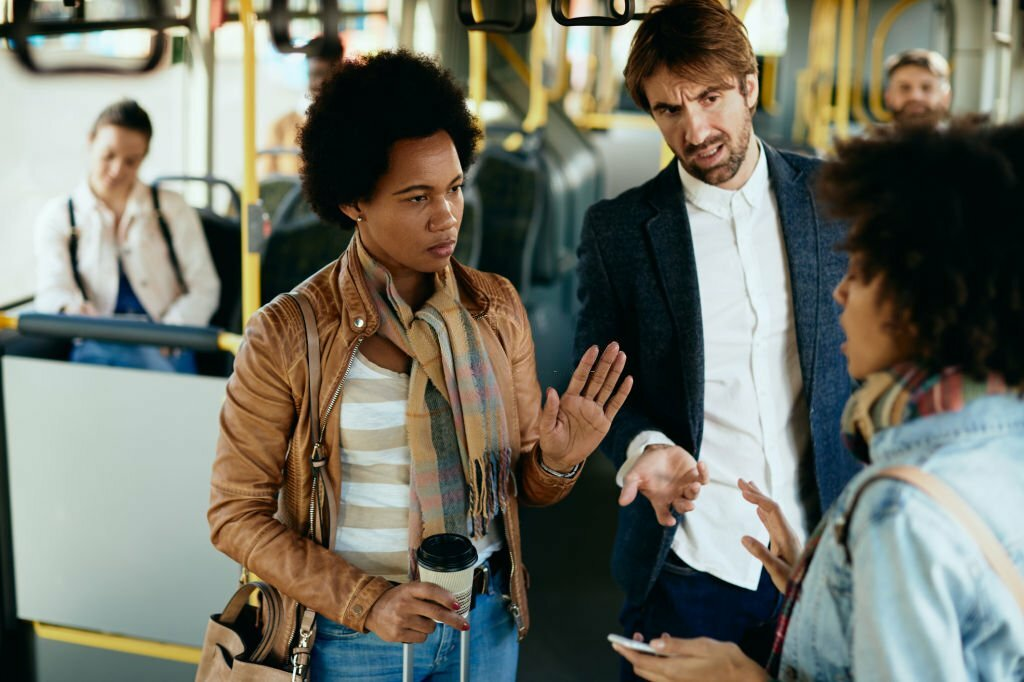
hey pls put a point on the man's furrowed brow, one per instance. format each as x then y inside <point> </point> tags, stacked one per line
<point>717,87</point>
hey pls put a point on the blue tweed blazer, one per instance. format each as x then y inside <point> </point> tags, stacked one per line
<point>638,286</point>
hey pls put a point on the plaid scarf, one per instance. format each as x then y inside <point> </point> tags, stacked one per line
<point>885,399</point>
<point>455,420</point>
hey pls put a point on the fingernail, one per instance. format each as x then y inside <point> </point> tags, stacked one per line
<point>465,628</point>
<point>657,644</point>
<point>456,606</point>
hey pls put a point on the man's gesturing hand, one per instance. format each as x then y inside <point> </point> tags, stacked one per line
<point>669,477</point>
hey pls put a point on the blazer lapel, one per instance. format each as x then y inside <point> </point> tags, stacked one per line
<point>800,231</point>
<point>671,247</point>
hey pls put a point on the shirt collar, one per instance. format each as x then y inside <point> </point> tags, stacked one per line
<point>139,200</point>
<point>718,201</point>
<point>83,197</point>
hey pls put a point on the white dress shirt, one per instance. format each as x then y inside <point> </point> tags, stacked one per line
<point>755,416</point>
<point>137,243</point>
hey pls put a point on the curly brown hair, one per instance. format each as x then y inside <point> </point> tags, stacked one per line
<point>362,109</point>
<point>938,214</point>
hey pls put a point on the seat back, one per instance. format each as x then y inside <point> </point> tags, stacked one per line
<point>297,251</point>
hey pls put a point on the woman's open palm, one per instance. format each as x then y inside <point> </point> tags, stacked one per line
<point>574,424</point>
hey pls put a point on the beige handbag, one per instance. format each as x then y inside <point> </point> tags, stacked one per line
<point>240,642</point>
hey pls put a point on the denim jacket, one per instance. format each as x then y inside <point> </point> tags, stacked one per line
<point>918,601</point>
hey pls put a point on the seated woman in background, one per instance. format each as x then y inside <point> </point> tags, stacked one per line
<point>117,247</point>
<point>892,586</point>
<point>438,425</point>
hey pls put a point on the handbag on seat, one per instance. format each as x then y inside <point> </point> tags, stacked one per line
<point>240,640</point>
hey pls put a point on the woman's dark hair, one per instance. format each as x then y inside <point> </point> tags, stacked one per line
<point>365,107</point>
<point>937,213</point>
<point>125,114</point>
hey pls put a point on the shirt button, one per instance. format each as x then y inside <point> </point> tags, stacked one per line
<point>358,610</point>
<point>359,323</point>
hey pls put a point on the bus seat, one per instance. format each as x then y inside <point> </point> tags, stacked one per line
<point>512,187</point>
<point>299,250</point>
<point>273,191</point>
<point>224,238</point>
<point>467,250</point>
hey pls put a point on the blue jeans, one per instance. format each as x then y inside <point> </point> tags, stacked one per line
<point>685,602</point>
<point>341,653</point>
<point>113,354</point>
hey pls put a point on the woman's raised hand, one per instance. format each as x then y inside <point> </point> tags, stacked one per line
<point>573,425</point>
<point>785,550</point>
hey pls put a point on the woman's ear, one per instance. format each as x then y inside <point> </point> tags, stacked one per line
<point>352,211</point>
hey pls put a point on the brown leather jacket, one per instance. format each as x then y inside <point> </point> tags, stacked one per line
<point>267,404</point>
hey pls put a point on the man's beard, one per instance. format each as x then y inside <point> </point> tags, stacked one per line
<point>919,117</point>
<point>727,169</point>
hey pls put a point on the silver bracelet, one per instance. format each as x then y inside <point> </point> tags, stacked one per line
<point>568,474</point>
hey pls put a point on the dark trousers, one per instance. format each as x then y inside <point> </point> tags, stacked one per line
<point>685,602</point>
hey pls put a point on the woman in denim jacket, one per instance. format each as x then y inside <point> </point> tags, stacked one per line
<point>933,311</point>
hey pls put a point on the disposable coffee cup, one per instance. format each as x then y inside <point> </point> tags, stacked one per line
<point>447,560</point>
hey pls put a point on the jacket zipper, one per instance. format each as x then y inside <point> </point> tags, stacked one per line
<point>323,430</point>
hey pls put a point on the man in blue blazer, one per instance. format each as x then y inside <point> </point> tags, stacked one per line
<point>716,278</point>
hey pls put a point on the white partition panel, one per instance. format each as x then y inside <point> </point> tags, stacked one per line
<point>109,475</point>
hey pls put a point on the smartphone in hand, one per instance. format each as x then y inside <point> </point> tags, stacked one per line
<point>633,644</point>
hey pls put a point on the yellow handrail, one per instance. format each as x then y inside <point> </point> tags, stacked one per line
<point>595,120</point>
<point>250,189</point>
<point>226,341</point>
<point>477,62</point>
<point>769,86</point>
<point>537,113</point>
<point>863,17</point>
<point>823,75</point>
<point>878,53</point>
<point>510,55</point>
<point>229,342</point>
<point>841,113</point>
<point>560,86</point>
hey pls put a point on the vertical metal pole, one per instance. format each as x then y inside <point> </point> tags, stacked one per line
<point>464,656</point>
<point>252,211</point>
<point>1003,37</point>
<point>209,55</point>
<point>407,662</point>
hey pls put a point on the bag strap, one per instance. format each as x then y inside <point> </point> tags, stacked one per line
<point>271,612</point>
<point>166,232</point>
<point>993,550</point>
<point>317,497</point>
<point>73,249</point>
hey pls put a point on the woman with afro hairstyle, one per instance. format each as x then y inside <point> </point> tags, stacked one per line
<point>436,425</point>
<point>892,586</point>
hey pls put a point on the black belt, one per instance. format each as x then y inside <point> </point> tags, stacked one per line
<point>481,578</point>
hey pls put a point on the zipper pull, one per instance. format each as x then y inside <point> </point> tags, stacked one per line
<point>517,617</point>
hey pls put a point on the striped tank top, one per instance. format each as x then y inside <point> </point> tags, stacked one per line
<point>373,517</point>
